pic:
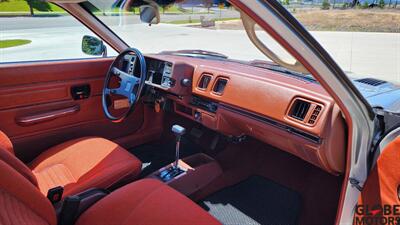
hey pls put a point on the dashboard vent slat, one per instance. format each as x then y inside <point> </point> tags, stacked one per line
<point>371,81</point>
<point>204,81</point>
<point>219,86</point>
<point>299,109</point>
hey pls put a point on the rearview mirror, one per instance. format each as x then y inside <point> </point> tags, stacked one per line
<point>93,46</point>
<point>149,14</point>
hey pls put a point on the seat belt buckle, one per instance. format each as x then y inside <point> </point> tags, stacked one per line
<point>55,194</point>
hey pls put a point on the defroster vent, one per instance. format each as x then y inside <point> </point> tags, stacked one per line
<point>299,109</point>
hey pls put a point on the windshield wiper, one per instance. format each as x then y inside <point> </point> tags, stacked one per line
<point>278,68</point>
<point>195,52</point>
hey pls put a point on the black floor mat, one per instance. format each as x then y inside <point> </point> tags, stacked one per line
<point>157,155</point>
<point>256,200</point>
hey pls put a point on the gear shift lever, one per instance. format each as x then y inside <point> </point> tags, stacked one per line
<point>178,131</point>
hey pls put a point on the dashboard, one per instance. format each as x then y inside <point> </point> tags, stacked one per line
<point>294,115</point>
<point>160,73</point>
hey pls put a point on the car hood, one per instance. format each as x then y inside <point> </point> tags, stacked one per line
<point>379,93</point>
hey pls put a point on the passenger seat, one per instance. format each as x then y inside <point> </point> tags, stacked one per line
<point>146,201</point>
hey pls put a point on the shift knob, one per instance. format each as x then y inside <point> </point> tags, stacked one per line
<point>178,130</point>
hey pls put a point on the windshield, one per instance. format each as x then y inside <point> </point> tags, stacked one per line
<point>194,28</point>
<point>362,37</point>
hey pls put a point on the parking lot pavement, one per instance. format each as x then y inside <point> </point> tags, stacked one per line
<point>363,54</point>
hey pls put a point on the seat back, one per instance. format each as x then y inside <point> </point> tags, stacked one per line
<point>380,197</point>
<point>5,143</point>
<point>20,201</point>
<point>7,155</point>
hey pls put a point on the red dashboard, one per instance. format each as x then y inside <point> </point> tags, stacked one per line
<point>292,114</point>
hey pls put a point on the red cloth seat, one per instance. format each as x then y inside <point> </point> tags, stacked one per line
<point>145,201</point>
<point>76,165</point>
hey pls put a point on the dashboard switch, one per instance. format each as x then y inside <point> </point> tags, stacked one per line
<point>186,82</point>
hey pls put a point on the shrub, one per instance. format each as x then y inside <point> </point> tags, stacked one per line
<point>381,4</point>
<point>326,5</point>
<point>365,5</point>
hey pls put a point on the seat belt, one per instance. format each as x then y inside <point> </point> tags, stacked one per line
<point>55,194</point>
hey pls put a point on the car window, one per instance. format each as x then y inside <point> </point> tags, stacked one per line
<point>214,30</point>
<point>362,36</point>
<point>41,32</point>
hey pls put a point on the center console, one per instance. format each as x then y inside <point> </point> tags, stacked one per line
<point>189,174</point>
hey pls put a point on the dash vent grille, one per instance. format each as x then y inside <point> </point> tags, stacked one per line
<point>300,109</point>
<point>204,81</point>
<point>219,86</point>
<point>371,81</point>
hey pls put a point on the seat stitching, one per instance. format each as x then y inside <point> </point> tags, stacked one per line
<point>12,198</point>
<point>7,218</point>
<point>52,178</point>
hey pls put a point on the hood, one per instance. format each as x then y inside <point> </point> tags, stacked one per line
<point>379,93</point>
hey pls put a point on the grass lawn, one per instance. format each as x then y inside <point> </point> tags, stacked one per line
<point>13,43</point>
<point>22,6</point>
<point>353,20</point>
<point>198,20</point>
<point>360,20</point>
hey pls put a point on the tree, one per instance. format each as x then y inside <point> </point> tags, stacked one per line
<point>326,5</point>
<point>164,4</point>
<point>208,4</point>
<point>354,3</point>
<point>30,4</point>
<point>39,5</point>
<point>381,4</point>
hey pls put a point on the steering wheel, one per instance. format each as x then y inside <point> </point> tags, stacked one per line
<point>130,84</point>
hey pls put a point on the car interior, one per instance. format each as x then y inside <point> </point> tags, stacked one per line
<point>170,139</point>
<point>196,127</point>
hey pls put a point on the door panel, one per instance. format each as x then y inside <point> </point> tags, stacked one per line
<point>32,90</point>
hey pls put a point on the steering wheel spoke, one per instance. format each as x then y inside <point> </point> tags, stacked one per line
<point>130,85</point>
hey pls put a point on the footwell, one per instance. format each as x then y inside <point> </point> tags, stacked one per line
<point>255,200</point>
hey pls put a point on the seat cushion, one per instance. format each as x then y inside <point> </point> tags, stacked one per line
<point>147,201</point>
<point>84,163</point>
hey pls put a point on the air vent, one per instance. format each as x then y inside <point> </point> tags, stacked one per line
<point>371,81</point>
<point>219,86</point>
<point>299,109</point>
<point>314,116</point>
<point>204,81</point>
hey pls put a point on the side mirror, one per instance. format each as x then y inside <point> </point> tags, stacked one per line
<point>149,14</point>
<point>93,46</point>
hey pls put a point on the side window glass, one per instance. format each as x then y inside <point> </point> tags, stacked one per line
<point>42,31</point>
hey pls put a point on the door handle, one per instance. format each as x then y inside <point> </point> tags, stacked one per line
<point>46,116</point>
